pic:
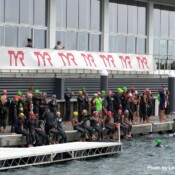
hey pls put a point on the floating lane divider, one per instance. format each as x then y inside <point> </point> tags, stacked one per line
<point>22,157</point>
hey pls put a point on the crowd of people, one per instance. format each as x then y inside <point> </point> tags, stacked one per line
<point>36,116</point>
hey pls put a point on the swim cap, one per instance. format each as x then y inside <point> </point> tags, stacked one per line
<point>119,89</point>
<point>54,96</point>
<point>68,89</point>
<point>4,91</point>
<point>80,92</point>
<point>103,92</point>
<point>20,105</point>
<point>21,115</point>
<point>125,89</point>
<point>109,112</point>
<point>37,91</point>
<point>109,92</point>
<point>75,113</point>
<point>95,112</point>
<point>119,111</point>
<point>83,89</point>
<point>58,113</point>
<point>19,93</point>
<point>159,142</point>
<point>95,95</point>
<point>16,97</point>
<point>32,116</point>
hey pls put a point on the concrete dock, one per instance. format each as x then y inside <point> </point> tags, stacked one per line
<point>7,139</point>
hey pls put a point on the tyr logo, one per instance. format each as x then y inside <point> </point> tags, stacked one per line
<point>126,61</point>
<point>18,57</point>
<point>43,57</point>
<point>108,60</point>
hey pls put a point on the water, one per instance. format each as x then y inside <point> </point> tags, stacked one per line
<point>139,157</point>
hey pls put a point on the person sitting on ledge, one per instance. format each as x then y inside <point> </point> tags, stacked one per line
<point>19,129</point>
<point>77,126</point>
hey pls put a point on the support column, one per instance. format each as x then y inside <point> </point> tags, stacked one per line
<point>104,80</point>
<point>51,18</point>
<point>149,22</point>
<point>171,88</point>
<point>59,88</point>
<point>105,26</point>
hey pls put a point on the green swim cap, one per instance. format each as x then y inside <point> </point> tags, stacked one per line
<point>119,89</point>
<point>37,91</point>
<point>68,89</point>
<point>103,92</point>
<point>19,93</point>
<point>125,88</point>
<point>159,142</point>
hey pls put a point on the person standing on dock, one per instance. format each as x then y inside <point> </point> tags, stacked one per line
<point>67,96</point>
<point>4,110</point>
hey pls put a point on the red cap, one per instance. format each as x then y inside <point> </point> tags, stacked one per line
<point>119,111</point>
<point>109,112</point>
<point>32,116</point>
<point>4,91</point>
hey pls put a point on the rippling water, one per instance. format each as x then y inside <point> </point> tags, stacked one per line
<point>139,157</point>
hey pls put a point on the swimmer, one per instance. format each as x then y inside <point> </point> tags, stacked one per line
<point>159,143</point>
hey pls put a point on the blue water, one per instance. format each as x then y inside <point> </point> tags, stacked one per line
<point>139,157</point>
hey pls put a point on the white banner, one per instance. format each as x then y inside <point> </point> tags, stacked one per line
<point>26,58</point>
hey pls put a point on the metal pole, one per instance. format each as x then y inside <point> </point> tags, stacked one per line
<point>119,133</point>
<point>156,110</point>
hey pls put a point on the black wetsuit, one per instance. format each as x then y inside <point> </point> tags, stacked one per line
<point>36,104</point>
<point>53,106</point>
<point>14,111</point>
<point>4,113</point>
<point>109,126</point>
<point>40,133</point>
<point>19,130</point>
<point>31,127</point>
<point>84,125</point>
<point>109,103</point>
<point>50,125</point>
<point>94,124</point>
<point>59,127</point>
<point>67,97</point>
<point>81,104</point>
<point>79,128</point>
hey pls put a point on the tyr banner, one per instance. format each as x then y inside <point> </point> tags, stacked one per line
<point>26,58</point>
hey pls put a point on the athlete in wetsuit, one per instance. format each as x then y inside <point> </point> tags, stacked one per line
<point>77,126</point>
<point>59,127</point>
<point>94,123</point>
<point>19,129</point>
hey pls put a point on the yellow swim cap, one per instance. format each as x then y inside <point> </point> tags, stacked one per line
<point>58,113</point>
<point>21,115</point>
<point>75,113</point>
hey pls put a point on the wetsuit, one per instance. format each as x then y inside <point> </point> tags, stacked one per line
<point>19,130</point>
<point>109,103</point>
<point>81,104</point>
<point>84,125</point>
<point>95,125</point>
<point>78,127</point>
<point>59,127</point>
<point>40,133</point>
<point>143,107</point>
<point>67,97</point>
<point>109,126</point>
<point>50,125</point>
<point>14,111</point>
<point>4,111</point>
<point>31,126</point>
<point>53,106</point>
<point>36,104</point>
